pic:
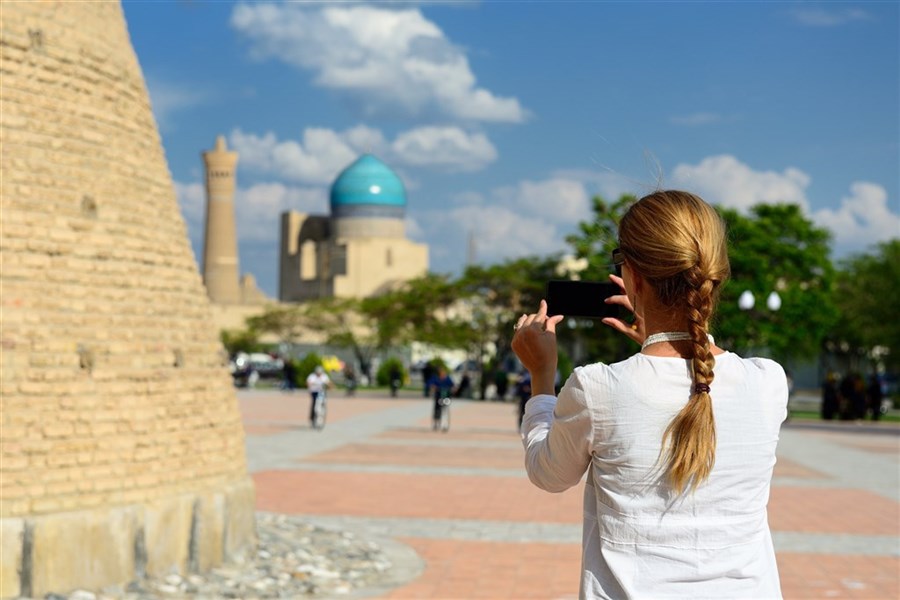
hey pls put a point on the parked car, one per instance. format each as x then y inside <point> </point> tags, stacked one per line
<point>247,369</point>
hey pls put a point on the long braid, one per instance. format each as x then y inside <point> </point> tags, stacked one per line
<point>676,242</point>
<point>692,433</point>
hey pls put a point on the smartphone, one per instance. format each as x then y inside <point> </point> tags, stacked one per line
<point>582,298</point>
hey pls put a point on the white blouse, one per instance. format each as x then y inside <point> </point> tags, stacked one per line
<point>639,540</point>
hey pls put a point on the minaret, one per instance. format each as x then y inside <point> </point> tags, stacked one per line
<point>220,251</point>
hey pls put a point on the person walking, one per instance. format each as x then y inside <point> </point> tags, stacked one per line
<point>678,441</point>
<point>874,395</point>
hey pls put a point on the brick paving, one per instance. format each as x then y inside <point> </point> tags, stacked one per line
<point>462,502</point>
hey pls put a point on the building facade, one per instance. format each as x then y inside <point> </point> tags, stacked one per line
<point>358,250</point>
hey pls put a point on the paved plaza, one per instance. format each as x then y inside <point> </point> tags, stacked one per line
<point>466,523</point>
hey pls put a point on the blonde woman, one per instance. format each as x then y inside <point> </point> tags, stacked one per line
<point>678,441</point>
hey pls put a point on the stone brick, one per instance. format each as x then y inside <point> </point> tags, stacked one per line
<point>100,290</point>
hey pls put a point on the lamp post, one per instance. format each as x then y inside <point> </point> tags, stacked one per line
<point>746,302</point>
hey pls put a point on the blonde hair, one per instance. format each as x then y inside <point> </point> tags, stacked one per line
<point>676,242</point>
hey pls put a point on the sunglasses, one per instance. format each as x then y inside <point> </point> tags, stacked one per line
<point>618,260</point>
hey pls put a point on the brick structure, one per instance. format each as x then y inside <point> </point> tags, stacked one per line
<point>220,248</point>
<point>122,449</point>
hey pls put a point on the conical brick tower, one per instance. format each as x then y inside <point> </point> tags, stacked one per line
<point>122,450</point>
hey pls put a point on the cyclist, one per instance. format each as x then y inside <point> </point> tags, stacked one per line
<point>316,383</point>
<point>442,388</point>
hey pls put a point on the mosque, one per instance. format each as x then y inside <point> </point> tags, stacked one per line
<point>360,249</point>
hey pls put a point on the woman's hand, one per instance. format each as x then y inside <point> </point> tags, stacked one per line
<point>634,330</point>
<point>535,344</point>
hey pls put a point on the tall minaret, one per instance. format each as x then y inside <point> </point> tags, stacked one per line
<point>220,251</point>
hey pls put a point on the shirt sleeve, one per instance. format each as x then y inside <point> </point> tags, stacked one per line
<point>558,436</point>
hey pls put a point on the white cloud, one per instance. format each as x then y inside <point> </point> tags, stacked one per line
<point>557,199</point>
<point>321,154</point>
<point>528,218</point>
<point>502,232</point>
<point>191,199</point>
<point>448,147</point>
<point>387,60</point>
<point>696,119</point>
<point>817,16</point>
<point>864,218</point>
<point>607,183</point>
<point>257,208</point>
<point>317,158</point>
<point>168,98</point>
<point>723,179</point>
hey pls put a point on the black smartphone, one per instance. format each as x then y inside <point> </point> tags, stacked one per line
<point>581,298</point>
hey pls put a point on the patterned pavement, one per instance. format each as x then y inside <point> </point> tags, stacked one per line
<point>462,502</point>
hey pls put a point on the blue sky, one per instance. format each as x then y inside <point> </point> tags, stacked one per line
<point>504,118</point>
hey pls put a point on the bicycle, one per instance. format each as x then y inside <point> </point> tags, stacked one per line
<point>442,419</point>
<point>319,411</point>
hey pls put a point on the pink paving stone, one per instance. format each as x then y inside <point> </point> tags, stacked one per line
<point>423,455</point>
<point>837,576</point>
<point>832,510</point>
<point>414,496</point>
<point>468,569</point>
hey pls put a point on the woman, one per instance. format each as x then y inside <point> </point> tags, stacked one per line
<point>678,441</point>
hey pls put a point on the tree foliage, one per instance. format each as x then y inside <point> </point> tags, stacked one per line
<point>867,293</point>
<point>286,322</point>
<point>244,340</point>
<point>776,249</point>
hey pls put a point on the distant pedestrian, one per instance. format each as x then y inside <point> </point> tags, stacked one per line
<point>350,379</point>
<point>501,380</point>
<point>395,375</point>
<point>316,383</point>
<point>464,389</point>
<point>523,393</point>
<point>830,397</point>
<point>289,372</point>
<point>441,387</point>
<point>874,396</point>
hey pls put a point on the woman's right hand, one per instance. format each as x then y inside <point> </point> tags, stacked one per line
<point>634,330</point>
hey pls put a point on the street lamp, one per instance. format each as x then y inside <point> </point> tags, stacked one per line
<point>746,301</point>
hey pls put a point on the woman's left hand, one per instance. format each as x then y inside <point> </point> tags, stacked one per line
<point>535,343</point>
<point>635,330</point>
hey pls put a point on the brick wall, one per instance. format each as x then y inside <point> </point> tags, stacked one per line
<point>112,383</point>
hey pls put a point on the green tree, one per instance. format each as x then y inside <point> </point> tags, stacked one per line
<point>286,322</point>
<point>776,249</point>
<point>242,340</point>
<point>497,295</point>
<point>868,286</point>
<point>343,323</point>
<point>597,238</point>
<point>422,310</point>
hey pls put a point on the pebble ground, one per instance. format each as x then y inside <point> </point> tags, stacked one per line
<point>461,501</point>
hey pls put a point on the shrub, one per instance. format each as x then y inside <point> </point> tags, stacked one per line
<point>305,366</point>
<point>383,376</point>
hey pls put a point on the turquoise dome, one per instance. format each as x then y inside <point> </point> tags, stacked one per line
<point>368,188</point>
